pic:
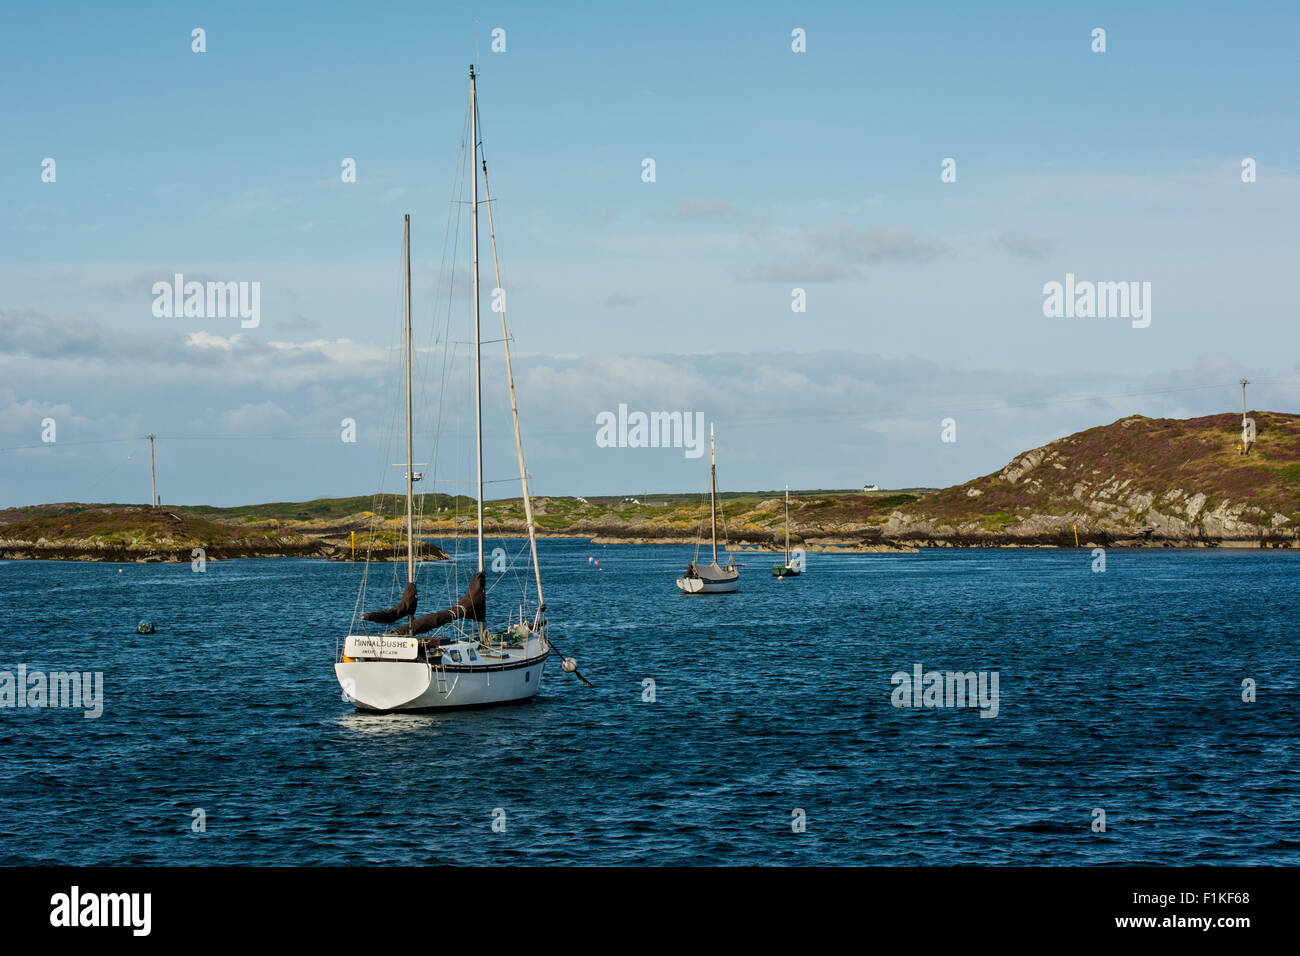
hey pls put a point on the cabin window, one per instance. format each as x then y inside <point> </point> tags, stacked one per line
<point>455,656</point>
<point>472,655</point>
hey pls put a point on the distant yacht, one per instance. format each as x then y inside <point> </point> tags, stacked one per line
<point>785,570</point>
<point>713,578</point>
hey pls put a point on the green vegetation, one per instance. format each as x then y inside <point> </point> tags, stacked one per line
<point>1135,472</point>
<point>1136,466</point>
<point>998,520</point>
<point>142,528</point>
<point>327,508</point>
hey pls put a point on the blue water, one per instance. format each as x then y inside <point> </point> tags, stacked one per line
<point>1118,690</point>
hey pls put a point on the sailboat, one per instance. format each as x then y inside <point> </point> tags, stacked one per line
<point>464,663</point>
<point>712,578</point>
<point>785,569</point>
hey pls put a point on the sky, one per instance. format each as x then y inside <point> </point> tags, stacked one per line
<point>774,171</point>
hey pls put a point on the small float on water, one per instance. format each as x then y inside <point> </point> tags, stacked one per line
<point>146,627</point>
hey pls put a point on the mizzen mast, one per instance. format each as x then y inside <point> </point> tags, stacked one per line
<point>410,457</point>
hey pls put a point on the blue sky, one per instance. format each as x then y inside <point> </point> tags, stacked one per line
<point>775,170</point>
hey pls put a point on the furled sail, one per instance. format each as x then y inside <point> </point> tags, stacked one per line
<point>472,607</point>
<point>404,608</point>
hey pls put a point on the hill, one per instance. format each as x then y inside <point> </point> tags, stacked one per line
<point>134,533</point>
<point>1156,479</point>
<point>1137,481</point>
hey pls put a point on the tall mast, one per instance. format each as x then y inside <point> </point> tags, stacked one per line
<point>410,457</point>
<point>787,526</point>
<point>153,481</point>
<point>713,495</point>
<point>478,350</point>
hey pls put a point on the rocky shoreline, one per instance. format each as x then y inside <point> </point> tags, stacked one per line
<point>298,546</point>
<point>868,542</point>
<point>124,554</point>
<point>1136,483</point>
<point>874,540</point>
<point>871,540</point>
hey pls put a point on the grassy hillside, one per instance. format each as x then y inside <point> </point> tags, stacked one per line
<point>1171,477</point>
<point>125,533</point>
<point>1138,479</point>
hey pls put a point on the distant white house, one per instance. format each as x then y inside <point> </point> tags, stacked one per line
<point>582,499</point>
<point>870,487</point>
<point>630,501</point>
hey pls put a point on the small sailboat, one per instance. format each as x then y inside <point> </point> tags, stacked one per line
<point>465,663</point>
<point>712,578</point>
<point>786,569</point>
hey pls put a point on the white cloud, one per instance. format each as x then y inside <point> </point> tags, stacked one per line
<point>206,340</point>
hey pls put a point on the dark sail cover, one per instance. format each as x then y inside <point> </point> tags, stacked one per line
<point>472,607</point>
<point>404,608</point>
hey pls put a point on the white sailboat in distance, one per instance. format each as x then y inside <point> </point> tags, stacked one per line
<point>712,578</point>
<point>464,662</point>
<point>786,569</point>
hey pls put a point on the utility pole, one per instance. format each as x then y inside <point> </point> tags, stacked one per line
<point>1245,434</point>
<point>153,481</point>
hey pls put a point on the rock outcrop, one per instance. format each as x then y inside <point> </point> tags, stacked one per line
<point>1136,481</point>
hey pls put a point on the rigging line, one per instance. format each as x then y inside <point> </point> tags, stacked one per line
<point>452,578</point>
<point>104,477</point>
<point>388,426</point>
<point>94,441</point>
<point>447,277</point>
<point>486,481</point>
<point>332,438</point>
<point>510,378</point>
<point>387,435</point>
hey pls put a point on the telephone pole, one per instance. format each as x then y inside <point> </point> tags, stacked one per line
<point>1245,433</point>
<point>153,483</point>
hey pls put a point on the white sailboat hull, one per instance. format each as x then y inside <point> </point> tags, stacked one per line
<point>415,685</point>
<point>710,580</point>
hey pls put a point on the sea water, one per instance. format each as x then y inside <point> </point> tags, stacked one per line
<point>1146,714</point>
